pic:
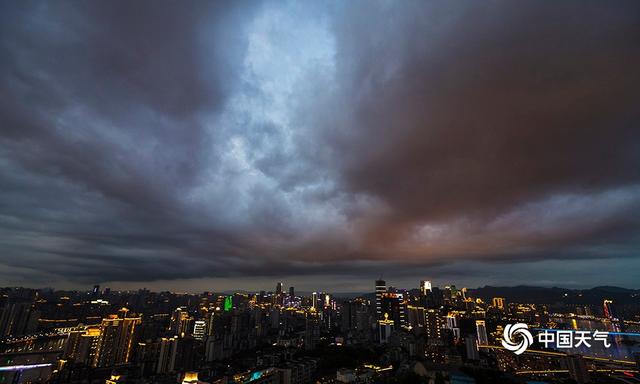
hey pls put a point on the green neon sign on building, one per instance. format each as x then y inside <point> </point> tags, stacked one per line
<point>228,303</point>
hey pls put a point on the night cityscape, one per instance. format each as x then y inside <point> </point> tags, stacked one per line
<point>427,334</point>
<point>319,192</point>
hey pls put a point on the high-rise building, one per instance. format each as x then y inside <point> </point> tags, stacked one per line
<point>116,336</point>
<point>181,322</point>
<point>481,331</point>
<point>279,288</point>
<point>425,287</point>
<point>471,348</point>
<point>416,316</point>
<point>199,329</point>
<point>446,294</point>
<point>452,322</point>
<point>291,293</point>
<point>81,345</point>
<point>452,325</point>
<point>395,306</point>
<point>314,300</point>
<point>454,292</point>
<point>167,355</point>
<point>381,288</point>
<point>18,318</point>
<point>385,328</point>
<point>607,308</point>
<point>498,302</point>
<point>433,326</point>
<point>312,331</point>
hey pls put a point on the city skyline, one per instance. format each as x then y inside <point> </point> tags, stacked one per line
<point>280,336</point>
<point>229,145</point>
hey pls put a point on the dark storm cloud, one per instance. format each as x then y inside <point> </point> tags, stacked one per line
<point>172,140</point>
<point>471,111</point>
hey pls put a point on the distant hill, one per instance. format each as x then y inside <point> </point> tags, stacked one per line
<point>552,295</point>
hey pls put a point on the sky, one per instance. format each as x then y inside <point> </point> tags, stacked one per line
<point>221,145</point>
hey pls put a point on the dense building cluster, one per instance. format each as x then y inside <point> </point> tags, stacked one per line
<point>426,335</point>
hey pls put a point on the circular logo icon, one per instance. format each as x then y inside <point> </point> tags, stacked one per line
<point>517,338</point>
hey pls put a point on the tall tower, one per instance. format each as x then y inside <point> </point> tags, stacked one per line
<point>381,288</point>
<point>425,287</point>
<point>180,322</point>
<point>433,326</point>
<point>481,329</point>
<point>311,331</point>
<point>607,309</point>
<point>199,329</point>
<point>279,297</point>
<point>385,328</point>
<point>167,355</point>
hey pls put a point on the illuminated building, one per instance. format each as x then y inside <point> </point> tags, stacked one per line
<point>608,309</point>
<point>454,292</point>
<point>498,302</point>
<point>327,300</point>
<point>266,376</point>
<point>181,322</point>
<point>115,378</point>
<point>425,287</point>
<point>116,336</point>
<point>199,329</point>
<point>381,288</point>
<point>228,303</point>
<point>167,355</point>
<point>394,305</point>
<point>452,322</point>
<point>481,331</point>
<point>433,326</point>
<point>314,300</point>
<point>279,296</point>
<point>385,328</point>
<point>190,377</point>
<point>81,345</point>
<point>452,325</point>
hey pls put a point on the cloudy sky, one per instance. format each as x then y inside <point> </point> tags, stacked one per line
<point>221,145</point>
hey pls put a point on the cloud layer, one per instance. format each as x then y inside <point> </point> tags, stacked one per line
<point>162,141</point>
